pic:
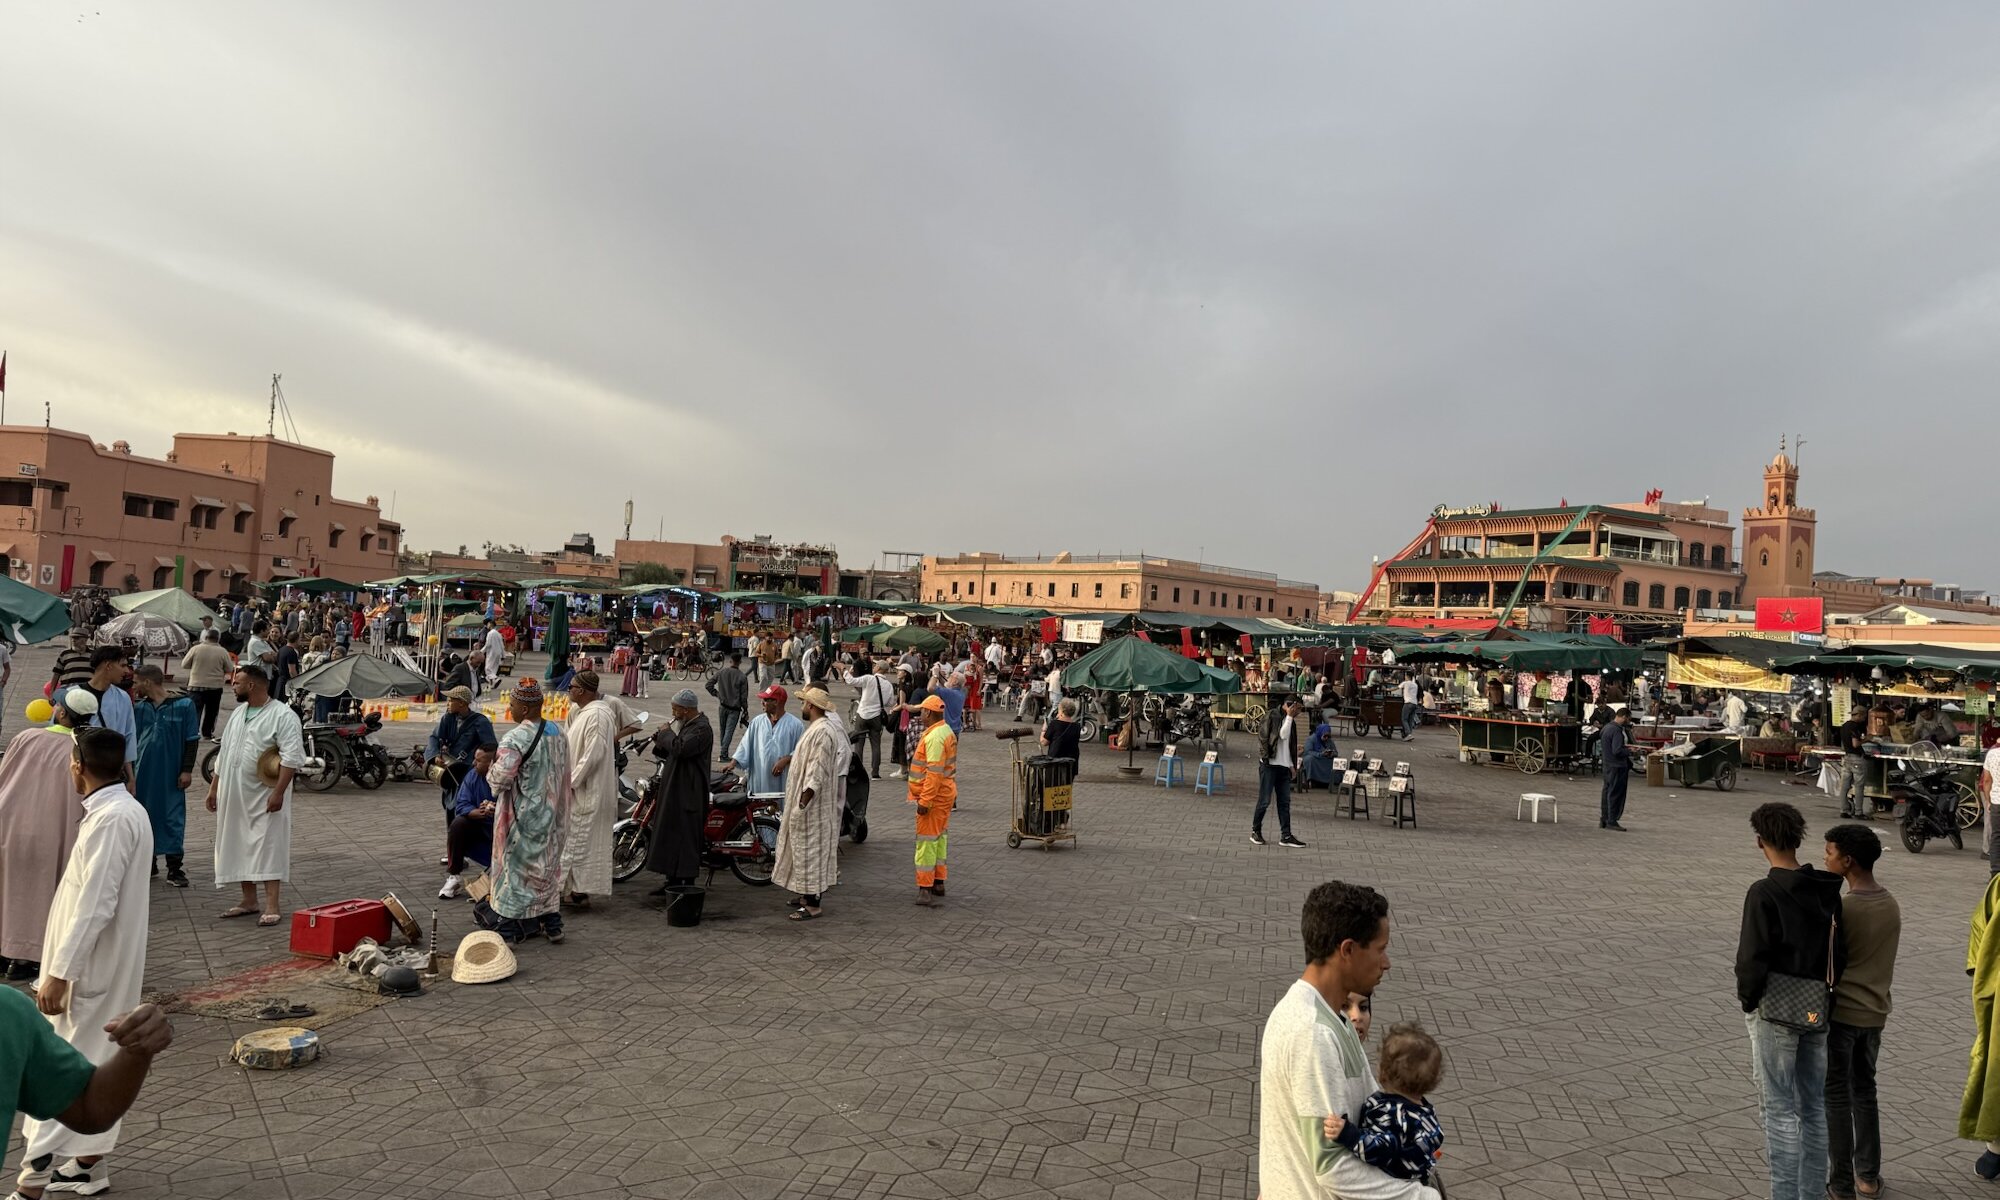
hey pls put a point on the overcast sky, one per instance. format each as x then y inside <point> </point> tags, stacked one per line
<point>1256,283</point>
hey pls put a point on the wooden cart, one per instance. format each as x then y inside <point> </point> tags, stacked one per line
<point>1244,710</point>
<point>1383,713</point>
<point>1532,745</point>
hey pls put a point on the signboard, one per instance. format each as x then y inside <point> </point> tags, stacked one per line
<point>1057,797</point>
<point>1717,671</point>
<point>1091,632</point>
<point>30,469</point>
<point>1843,703</point>
<point>1977,704</point>
<point>1444,513</point>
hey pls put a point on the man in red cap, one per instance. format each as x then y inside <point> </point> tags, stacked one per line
<point>765,753</point>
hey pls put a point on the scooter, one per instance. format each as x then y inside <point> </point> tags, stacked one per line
<point>1930,807</point>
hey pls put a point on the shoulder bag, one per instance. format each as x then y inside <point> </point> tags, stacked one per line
<point>1800,1003</point>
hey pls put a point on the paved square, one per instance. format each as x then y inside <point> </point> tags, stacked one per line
<point>1081,1023</point>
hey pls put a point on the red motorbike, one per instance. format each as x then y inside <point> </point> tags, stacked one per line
<point>738,833</point>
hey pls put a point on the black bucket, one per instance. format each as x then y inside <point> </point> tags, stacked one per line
<point>684,906</point>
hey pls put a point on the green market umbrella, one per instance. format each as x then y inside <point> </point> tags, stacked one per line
<point>172,603</point>
<point>865,633</point>
<point>1132,664</point>
<point>558,638</point>
<point>362,676</point>
<point>911,637</point>
<point>30,615</point>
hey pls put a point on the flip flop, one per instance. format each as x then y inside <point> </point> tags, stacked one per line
<point>238,911</point>
<point>268,919</point>
<point>805,914</point>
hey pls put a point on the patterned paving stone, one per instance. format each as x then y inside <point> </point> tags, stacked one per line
<point>1082,1023</point>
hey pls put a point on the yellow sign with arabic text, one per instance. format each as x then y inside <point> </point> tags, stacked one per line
<point>1718,671</point>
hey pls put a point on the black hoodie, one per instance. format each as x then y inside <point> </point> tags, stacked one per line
<point>1786,916</point>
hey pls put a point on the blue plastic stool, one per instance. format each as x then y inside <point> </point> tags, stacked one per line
<point>1208,778</point>
<point>1169,771</point>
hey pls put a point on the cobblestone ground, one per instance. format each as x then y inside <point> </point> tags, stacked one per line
<point>1082,1023</point>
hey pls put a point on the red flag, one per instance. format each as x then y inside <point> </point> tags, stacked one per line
<point>1143,636</point>
<point>1781,615</point>
<point>1187,642</point>
<point>1051,628</point>
<point>1244,642</point>
<point>1603,625</point>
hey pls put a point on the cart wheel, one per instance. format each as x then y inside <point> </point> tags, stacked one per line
<point>1386,731</point>
<point>1013,840</point>
<point>1358,727</point>
<point>1529,756</point>
<point>1253,715</point>
<point>1969,807</point>
<point>1725,777</point>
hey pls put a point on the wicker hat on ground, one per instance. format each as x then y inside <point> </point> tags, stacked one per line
<point>482,958</point>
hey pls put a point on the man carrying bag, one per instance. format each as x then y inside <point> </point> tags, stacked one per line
<point>1788,958</point>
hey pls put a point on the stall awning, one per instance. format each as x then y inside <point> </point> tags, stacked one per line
<point>101,555</point>
<point>207,502</point>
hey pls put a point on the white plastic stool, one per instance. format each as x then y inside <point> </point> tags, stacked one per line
<point>1533,801</point>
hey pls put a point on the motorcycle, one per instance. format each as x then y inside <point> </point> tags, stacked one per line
<point>1929,800</point>
<point>738,832</point>
<point>326,759</point>
<point>367,764</point>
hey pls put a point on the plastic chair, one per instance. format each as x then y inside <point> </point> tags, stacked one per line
<point>1208,778</point>
<point>1533,801</point>
<point>1169,771</point>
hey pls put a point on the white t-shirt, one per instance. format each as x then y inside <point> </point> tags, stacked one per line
<point>1412,693</point>
<point>1992,767</point>
<point>1310,1067</point>
<point>1281,750</point>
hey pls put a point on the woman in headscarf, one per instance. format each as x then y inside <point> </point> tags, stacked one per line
<point>1319,756</point>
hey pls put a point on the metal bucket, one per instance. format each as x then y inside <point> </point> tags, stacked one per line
<point>684,906</point>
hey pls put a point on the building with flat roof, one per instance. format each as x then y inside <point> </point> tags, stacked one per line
<point>1114,583</point>
<point>219,512</point>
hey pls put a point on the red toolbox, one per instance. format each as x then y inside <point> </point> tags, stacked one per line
<point>329,929</point>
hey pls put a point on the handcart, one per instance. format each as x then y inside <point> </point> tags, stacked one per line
<point>1713,760</point>
<point>1041,795</point>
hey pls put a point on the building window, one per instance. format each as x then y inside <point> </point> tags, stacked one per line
<point>285,526</point>
<point>1075,590</point>
<point>1124,591</point>
<point>200,582</point>
<point>1239,601</point>
<point>1177,595</point>
<point>367,539</point>
<point>1799,558</point>
<point>1656,596</point>
<point>242,521</point>
<point>993,589</point>
<point>19,493</point>
<point>1052,588</point>
<point>1725,599</point>
<point>1631,593</point>
<point>97,573</point>
<point>1153,593</point>
<point>1097,590</point>
<point>165,510</point>
<point>1256,604</point>
<point>1680,598</point>
<point>1031,589</point>
<point>1703,599</point>
<point>163,577</point>
<point>137,506</point>
<point>1718,557</point>
<point>1288,610</point>
<point>1764,558</point>
<point>1212,602</point>
<point>333,543</point>
<point>1695,552</point>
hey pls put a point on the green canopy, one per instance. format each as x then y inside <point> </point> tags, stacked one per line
<point>911,637</point>
<point>1861,661</point>
<point>362,676</point>
<point>313,586</point>
<point>863,633</point>
<point>172,603</point>
<point>443,604</point>
<point>1132,664</point>
<point>1529,650</point>
<point>762,598</point>
<point>558,636</point>
<point>31,615</point>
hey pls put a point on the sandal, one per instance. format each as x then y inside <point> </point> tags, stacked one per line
<point>238,911</point>
<point>266,920</point>
<point>806,914</point>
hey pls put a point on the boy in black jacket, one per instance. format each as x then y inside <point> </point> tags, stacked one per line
<point>1790,925</point>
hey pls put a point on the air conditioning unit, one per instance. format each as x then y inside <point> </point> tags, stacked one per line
<point>282,562</point>
<point>270,537</point>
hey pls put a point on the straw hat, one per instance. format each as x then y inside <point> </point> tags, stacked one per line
<point>270,765</point>
<point>482,958</point>
<point>817,697</point>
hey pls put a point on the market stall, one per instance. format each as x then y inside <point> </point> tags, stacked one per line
<point>1531,739</point>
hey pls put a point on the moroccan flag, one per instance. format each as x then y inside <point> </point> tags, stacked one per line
<point>1244,643</point>
<point>1604,625</point>
<point>1780,615</point>
<point>1051,628</point>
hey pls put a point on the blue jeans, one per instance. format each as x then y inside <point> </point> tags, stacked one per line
<point>1790,1070</point>
<point>1413,715</point>
<point>1274,780</point>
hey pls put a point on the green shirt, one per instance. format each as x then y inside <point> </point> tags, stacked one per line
<point>40,1074</point>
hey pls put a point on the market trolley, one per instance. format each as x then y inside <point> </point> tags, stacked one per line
<point>1888,763</point>
<point>1532,743</point>
<point>1385,713</point>
<point>1040,797</point>
<point>1245,709</point>
<point>1715,760</point>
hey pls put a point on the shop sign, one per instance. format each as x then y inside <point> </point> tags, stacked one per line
<point>1091,632</point>
<point>1443,512</point>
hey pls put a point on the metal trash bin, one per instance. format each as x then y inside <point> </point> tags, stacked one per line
<point>1047,785</point>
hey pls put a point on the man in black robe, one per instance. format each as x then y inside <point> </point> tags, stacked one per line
<point>684,747</point>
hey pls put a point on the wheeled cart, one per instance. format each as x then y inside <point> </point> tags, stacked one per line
<point>1042,792</point>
